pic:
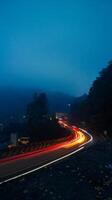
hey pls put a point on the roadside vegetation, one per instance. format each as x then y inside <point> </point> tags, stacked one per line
<point>41,125</point>
<point>31,147</point>
<point>42,129</point>
<point>94,110</point>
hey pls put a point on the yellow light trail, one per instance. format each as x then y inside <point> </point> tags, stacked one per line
<point>77,140</point>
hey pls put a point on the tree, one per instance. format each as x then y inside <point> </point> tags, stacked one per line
<point>41,127</point>
<point>37,111</point>
<point>96,109</point>
<point>100,100</point>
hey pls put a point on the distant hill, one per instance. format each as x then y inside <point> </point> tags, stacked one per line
<point>13,102</point>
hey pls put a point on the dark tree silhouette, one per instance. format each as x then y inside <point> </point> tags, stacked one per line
<point>100,100</point>
<point>37,111</point>
<point>40,126</point>
<point>96,109</point>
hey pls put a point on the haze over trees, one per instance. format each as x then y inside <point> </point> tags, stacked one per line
<point>96,108</point>
<point>13,101</point>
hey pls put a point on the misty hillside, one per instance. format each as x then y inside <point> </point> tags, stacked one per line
<point>13,102</point>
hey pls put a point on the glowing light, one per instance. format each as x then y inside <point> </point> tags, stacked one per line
<point>79,138</point>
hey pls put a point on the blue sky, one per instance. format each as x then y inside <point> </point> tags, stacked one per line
<point>54,45</point>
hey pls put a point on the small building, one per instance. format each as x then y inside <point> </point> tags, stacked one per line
<point>61,116</point>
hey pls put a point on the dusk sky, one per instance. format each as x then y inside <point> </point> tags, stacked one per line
<point>58,45</point>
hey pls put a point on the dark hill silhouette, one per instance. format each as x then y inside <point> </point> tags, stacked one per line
<point>13,101</point>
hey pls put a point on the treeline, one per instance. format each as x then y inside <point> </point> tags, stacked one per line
<point>95,109</point>
<point>37,122</point>
<point>40,124</point>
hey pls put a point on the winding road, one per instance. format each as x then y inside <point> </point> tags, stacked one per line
<point>18,166</point>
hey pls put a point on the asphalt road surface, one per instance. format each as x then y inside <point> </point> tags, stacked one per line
<point>15,167</point>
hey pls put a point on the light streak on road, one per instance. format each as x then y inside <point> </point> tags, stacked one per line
<point>43,166</point>
<point>39,159</point>
<point>78,140</point>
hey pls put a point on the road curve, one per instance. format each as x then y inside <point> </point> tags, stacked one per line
<point>16,167</point>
